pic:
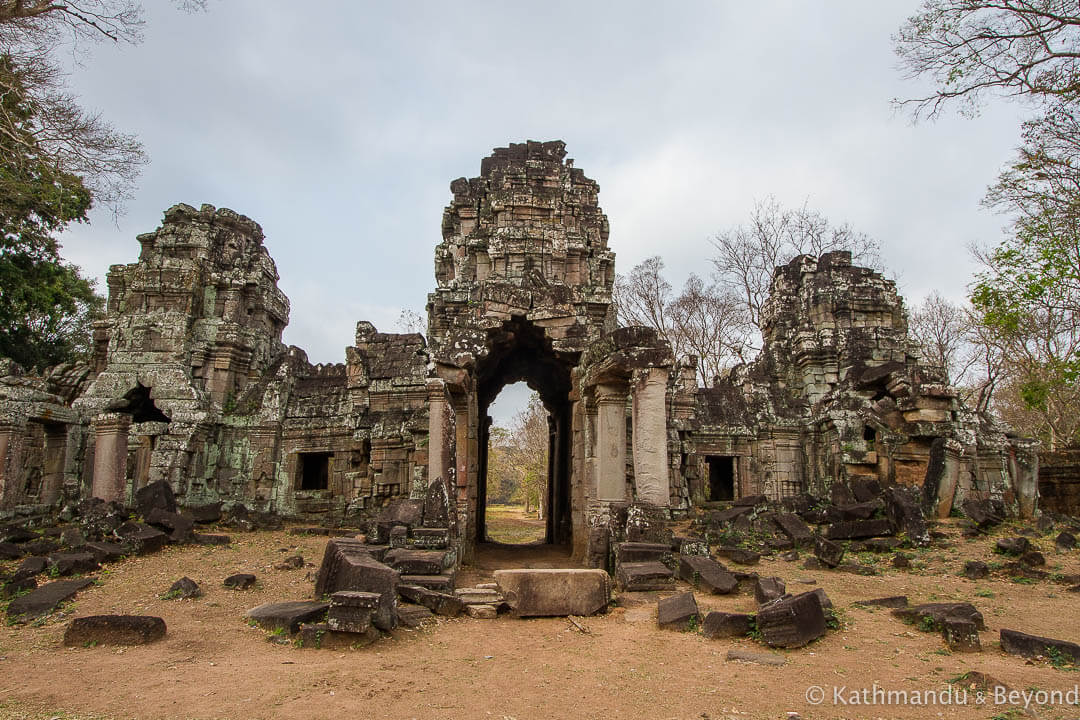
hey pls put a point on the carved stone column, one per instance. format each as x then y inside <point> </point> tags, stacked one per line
<point>110,456</point>
<point>52,476</point>
<point>611,443</point>
<point>438,432</point>
<point>11,462</point>
<point>651,476</point>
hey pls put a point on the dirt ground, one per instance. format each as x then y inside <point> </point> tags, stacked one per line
<point>213,665</point>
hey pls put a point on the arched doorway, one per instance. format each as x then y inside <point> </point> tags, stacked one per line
<point>519,351</point>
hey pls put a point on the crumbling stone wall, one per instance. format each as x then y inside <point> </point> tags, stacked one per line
<point>1059,481</point>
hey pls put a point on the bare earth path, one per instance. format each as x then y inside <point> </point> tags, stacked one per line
<point>213,665</point>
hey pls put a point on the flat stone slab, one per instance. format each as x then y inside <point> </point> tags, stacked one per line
<point>554,592</point>
<point>795,528</point>
<point>288,615</point>
<point>437,602</point>
<point>45,599</point>
<point>443,582</point>
<point>893,601</point>
<point>481,612</point>
<point>114,630</point>
<point>931,616</point>
<point>635,552</point>
<point>479,596</point>
<point>419,562</point>
<point>1015,642</point>
<point>855,529</point>
<point>678,612</point>
<point>105,551</point>
<point>760,658</point>
<point>707,574</point>
<point>63,564</point>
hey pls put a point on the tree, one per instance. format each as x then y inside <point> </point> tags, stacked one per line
<point>65,136</point>
<point>703,320</point>
<point>45,304</point>
<point>747,255</point>
<point>973,47</point>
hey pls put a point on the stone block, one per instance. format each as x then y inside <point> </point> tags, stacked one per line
<point>157,495</point>
<point>1015,642</point>
<point>768,589</point>
<point>854,529</point>
<point>239,581</point>
<point>348,565</point>
<point>414,616</point>
<point>554,592</point>
<point>438,602</point>
<point>678,612</point>
<point>706,574</point>
<point>44,599</point>
<point>114,630</point>
<point>892,601</point>
<point>321,636</point>
<point>419,562</point>
<point>63,564</point>
<point>829,553</point>
<point>724,625</point>
<point>931,616</point>
<point>792,622</point>
<point>644,576</point>
<point>793,526</point>
<point>443,582</point>
<point>960,634</point>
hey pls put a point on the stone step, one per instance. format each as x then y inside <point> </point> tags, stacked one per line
<point>479,596</point>
<point>443,582</point>
<point>644,576</point>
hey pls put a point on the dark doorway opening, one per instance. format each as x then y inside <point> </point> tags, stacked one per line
<point>721,477</point>
<point>519,352</point>
<point>314,471</point>
<point>138,402</point>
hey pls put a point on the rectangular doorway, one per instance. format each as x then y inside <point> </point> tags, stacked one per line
<point>721,477</point>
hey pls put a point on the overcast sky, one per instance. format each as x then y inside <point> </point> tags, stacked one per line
<point>339,130</point>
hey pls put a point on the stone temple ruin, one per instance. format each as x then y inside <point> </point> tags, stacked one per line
<point>191,384</point>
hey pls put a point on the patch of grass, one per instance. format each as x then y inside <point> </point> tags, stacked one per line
<point>833,619</point>
<point>1020,580</point>
<point>983,592</point>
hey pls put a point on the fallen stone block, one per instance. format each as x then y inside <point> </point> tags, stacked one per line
<point>439,603</point>
<point>976,570</point>
<point>823,598</point>
<point>63,564</point>
<point>44,599</point>
<point>792,622</point>
<point>1015,642</point>
<point>707,574</point>
<point>829,553</point>
<point>758,658</point>
<point>678,612</point>
<point>180,527</point>
<point>287,615</point>
<point>12,586</point>
<point>10,551</point>
<point>205,514</point>
<point>322,636</point>
<point>554,592</point>
<point>428,537</point>
<point>893,601</point>
<point>794,527</point>
<point>984,513</point>
<point>414,616</point>
<point>901,561</point>
<point>139,539</point>
<point>861,510</point>
<point>349,565</point>
<point>724,625</point>
<point>479,596</point>
<point>854,529</point>
<point>184,589</point>
<point>31,566</point>
<point>644,576</point>
<point>155,496</point>
<point>1033,558</point>
<point>1065,541</point>
<point>481,612</point>
<point>114,630</point>
<point>105,551</point>
<point>639,552</point>
<point>239,581</point>
<point>768,589</point>
<point>1015,546</point>
<point>960,634</point>
<point>903,507</point>
<point>738,555</point>
<point>351,610</point>
<point>931,616</point>
<point>419,562</point>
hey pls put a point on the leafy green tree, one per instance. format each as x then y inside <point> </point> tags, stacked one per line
<point>45,304</point>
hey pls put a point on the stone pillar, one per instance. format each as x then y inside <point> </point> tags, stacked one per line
<point>110,456</point>
<point>950,478</point>
<point>11,462</point>
<point>611,443</point>
<point>52,476</point>
<point>438,432</point>
<point>651,476</point>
